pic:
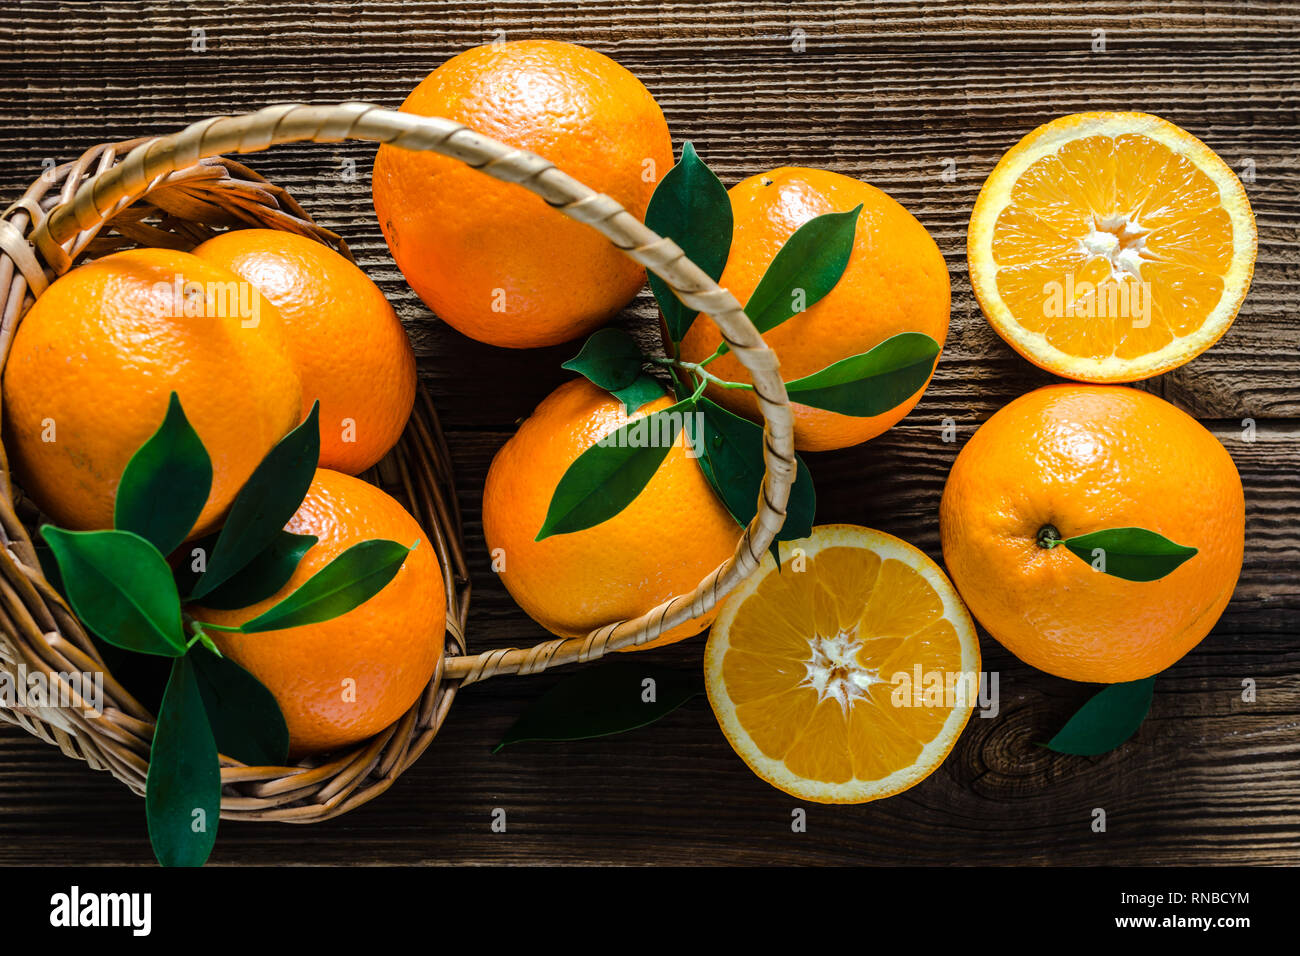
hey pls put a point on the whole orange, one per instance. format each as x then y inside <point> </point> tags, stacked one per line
<point>490,258</point>
<point>342,680</point>
<point>350,348</point>
<point>97,357</point>
<point>896,281</point>
<point>1079,459</point>
<point>671,535</point>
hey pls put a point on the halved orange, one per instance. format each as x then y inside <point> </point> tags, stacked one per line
<point>848,674</point>
<point>1110,247</point>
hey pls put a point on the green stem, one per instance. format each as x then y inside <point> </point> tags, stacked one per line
<point>200,629</point>
<point>209,626</point>
<point>705,375</point>
<point>720,351</point>
<point>1049,537</point>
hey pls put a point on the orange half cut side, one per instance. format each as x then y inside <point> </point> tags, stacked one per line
<point>1110,247</point>
<point>848,674</point>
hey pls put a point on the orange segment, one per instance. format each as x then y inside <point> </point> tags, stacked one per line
<point>848,675</point>
<point>1110,247</point>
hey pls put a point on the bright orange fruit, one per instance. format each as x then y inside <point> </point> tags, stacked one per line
<point>343,680</point>
<point>896,281</point>
<point>350,348</point>
<point>663,544</point>
<point>490,258</point>
<point>97,357</point>
<point>1079,459</point>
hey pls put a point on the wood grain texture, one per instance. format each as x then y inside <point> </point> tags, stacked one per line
<point>889,92</point>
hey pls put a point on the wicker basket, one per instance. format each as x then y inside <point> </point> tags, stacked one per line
<point>176,191</point>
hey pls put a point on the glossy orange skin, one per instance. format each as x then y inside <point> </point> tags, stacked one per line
<point>389,646</point>
<point>99,354</point>
<point>490,258</point>
<point>347,342</point>
<point>896,281</point>
<point>1084,458</point>
<point>662,545</point>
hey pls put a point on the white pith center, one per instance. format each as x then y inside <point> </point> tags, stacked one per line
<point>1119,240</point>
<point>834,671</point>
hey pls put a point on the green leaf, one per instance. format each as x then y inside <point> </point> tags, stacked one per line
<point>871,383</point>
<point>184,573</point>
<point>1134,554</point>
<point>732,460</point>
<point>183,788</point>
<point>246,721</point>
<point>350,580</point>
<point>121,588</point>
<point>264,505</point>
<point>644,389</point>
<point>608,476</point>
<point>808,265</point>
<point>691,207</point>
<point>603,700</point>
<point>1107,720</point>
<point>264,575</point>
<point>165,484</point>
<point>609,358</point>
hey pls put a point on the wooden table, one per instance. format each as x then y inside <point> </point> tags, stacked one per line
<point>895,94</point>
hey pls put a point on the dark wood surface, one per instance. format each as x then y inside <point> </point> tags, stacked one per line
<point>888,92</point>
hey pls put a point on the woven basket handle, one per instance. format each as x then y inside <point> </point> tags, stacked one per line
<point>106,193</point>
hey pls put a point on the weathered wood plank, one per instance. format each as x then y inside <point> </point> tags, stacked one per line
<point>345,33</point>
